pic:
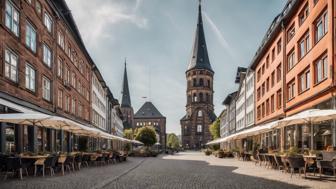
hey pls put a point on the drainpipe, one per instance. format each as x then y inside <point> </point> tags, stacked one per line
<point>333,68</point>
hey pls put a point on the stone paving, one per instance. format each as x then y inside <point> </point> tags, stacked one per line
<point>187,170</point>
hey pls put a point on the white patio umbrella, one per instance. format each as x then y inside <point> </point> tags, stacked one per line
<point>309,116</point>
<point>38,119</point>
<point>136,142</point>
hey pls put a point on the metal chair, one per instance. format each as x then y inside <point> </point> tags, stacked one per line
<point>13,164</point>
<point>296,163</point>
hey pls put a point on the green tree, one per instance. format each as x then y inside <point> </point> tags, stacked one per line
<point>146,135</point>
<point>128,133</point>
<point>173,141</point>
<point>215,129</point>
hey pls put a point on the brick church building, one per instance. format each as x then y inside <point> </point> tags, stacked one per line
<point>199,108</point>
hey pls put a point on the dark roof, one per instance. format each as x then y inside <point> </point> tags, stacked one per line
<point>229,98</point>
<point>212,116</point>
<point>148,110</point>
<point>240,70</point>
<point>126,98</point>
<point>200,58</point>
<point>64,12</point>
<point>275,28</point>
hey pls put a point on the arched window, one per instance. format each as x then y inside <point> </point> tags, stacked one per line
<point>195,98</point>
<point>207,97</point>
<point>199,113</point>
<point>201,97</point>
<point>194,82</point>
<point>209,84</point>
<point>201,82</point>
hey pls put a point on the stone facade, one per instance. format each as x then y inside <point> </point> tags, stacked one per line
<point>199,109</point>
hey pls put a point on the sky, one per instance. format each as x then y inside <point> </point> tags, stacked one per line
<point>156,36</point>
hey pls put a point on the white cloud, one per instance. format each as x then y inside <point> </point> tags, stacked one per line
<point>96,18</point>
<point>219,35</point>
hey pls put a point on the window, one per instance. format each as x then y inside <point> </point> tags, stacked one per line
<point>38,7</point>
<point>200,113</point>
<point>263,89</point>
<point>12,18</point>
<point>321,26</point>
<point>60,39</point>
<point>291,90</point>
<point>273,54</point>
<point>279,46</point>
<point>321,69</point>
<point>291,60</point>
<point>199,128</point>
<point>60,98</point>
<point>31,37</point>
<point>267,107</point>
<point>60,68</point>
<point>267,84</point>
<point>291,32</point>
<point>258,75</point>
<point>267,62</point>
<point>46,88</point>
<point>278,73</point>
<point>80,110</point>
<point>73,77</point>
<point>30,77</point>
<point>73,106</point>
<point>304,81</point>
<point>48,22</point>
<point>258,94</point>
<point>279,99</point>
<point>263,69</point>
<point>11,65</point>
<point>67,103</point>
<point>272,79</point>
<point>303,14</point>
<point>272,104</point>
<point>304,45</point>
<point>47,55</point>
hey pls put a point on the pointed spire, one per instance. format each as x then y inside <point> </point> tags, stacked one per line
<point>200,57</point>
<point>126,98</point>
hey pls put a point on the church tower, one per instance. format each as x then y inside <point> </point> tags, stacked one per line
<point>199,108</point>
<point>126,106</point>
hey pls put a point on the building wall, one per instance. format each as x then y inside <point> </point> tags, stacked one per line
<point>73,58</point>
<point>117,123</point>
<point>223,123</point>
<point>269,82</point>
<point>158,123</point>
<point>316,91</point>
<point>249,100</point>
<point>98,103</point>
<point>232,116</point>
<point>240,107</point>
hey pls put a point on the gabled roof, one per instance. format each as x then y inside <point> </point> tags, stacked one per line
<point>229,98</point>
<point>239,74</point>
<point>126,98</point>
<point>199,58</point>
<point>148,110</point>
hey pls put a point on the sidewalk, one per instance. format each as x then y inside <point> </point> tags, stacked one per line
<point>248,168</point>
<point>92,177</point>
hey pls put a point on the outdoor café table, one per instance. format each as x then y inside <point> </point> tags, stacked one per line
<point>39,160</point>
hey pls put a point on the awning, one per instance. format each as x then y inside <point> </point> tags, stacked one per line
<point>308,116</point>
<point>136,142</point>
<point>15,106</point>
<point>246,133</point>
<point>55,122</point>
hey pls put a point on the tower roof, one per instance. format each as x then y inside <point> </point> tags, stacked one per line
<point>199,58</point>
<point>126,98</point>
<point>148,110</point>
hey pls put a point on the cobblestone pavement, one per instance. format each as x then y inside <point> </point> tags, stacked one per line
<point>92,177</point>
<point>187,170</point>
<point>191,170</point>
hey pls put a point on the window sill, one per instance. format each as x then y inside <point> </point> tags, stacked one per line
<point>291,99</point>
<point>317,83</point>
<point>300,93</point>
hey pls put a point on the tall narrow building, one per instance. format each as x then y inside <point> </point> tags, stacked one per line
<point>199,109</point>
<point>126,106</point>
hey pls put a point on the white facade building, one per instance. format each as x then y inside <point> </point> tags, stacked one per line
<point>99,103</point>
<point>249,93</point>
<point>117,123</point>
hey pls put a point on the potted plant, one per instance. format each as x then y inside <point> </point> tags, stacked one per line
<point>207,152</point>
<point>220,153</point>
